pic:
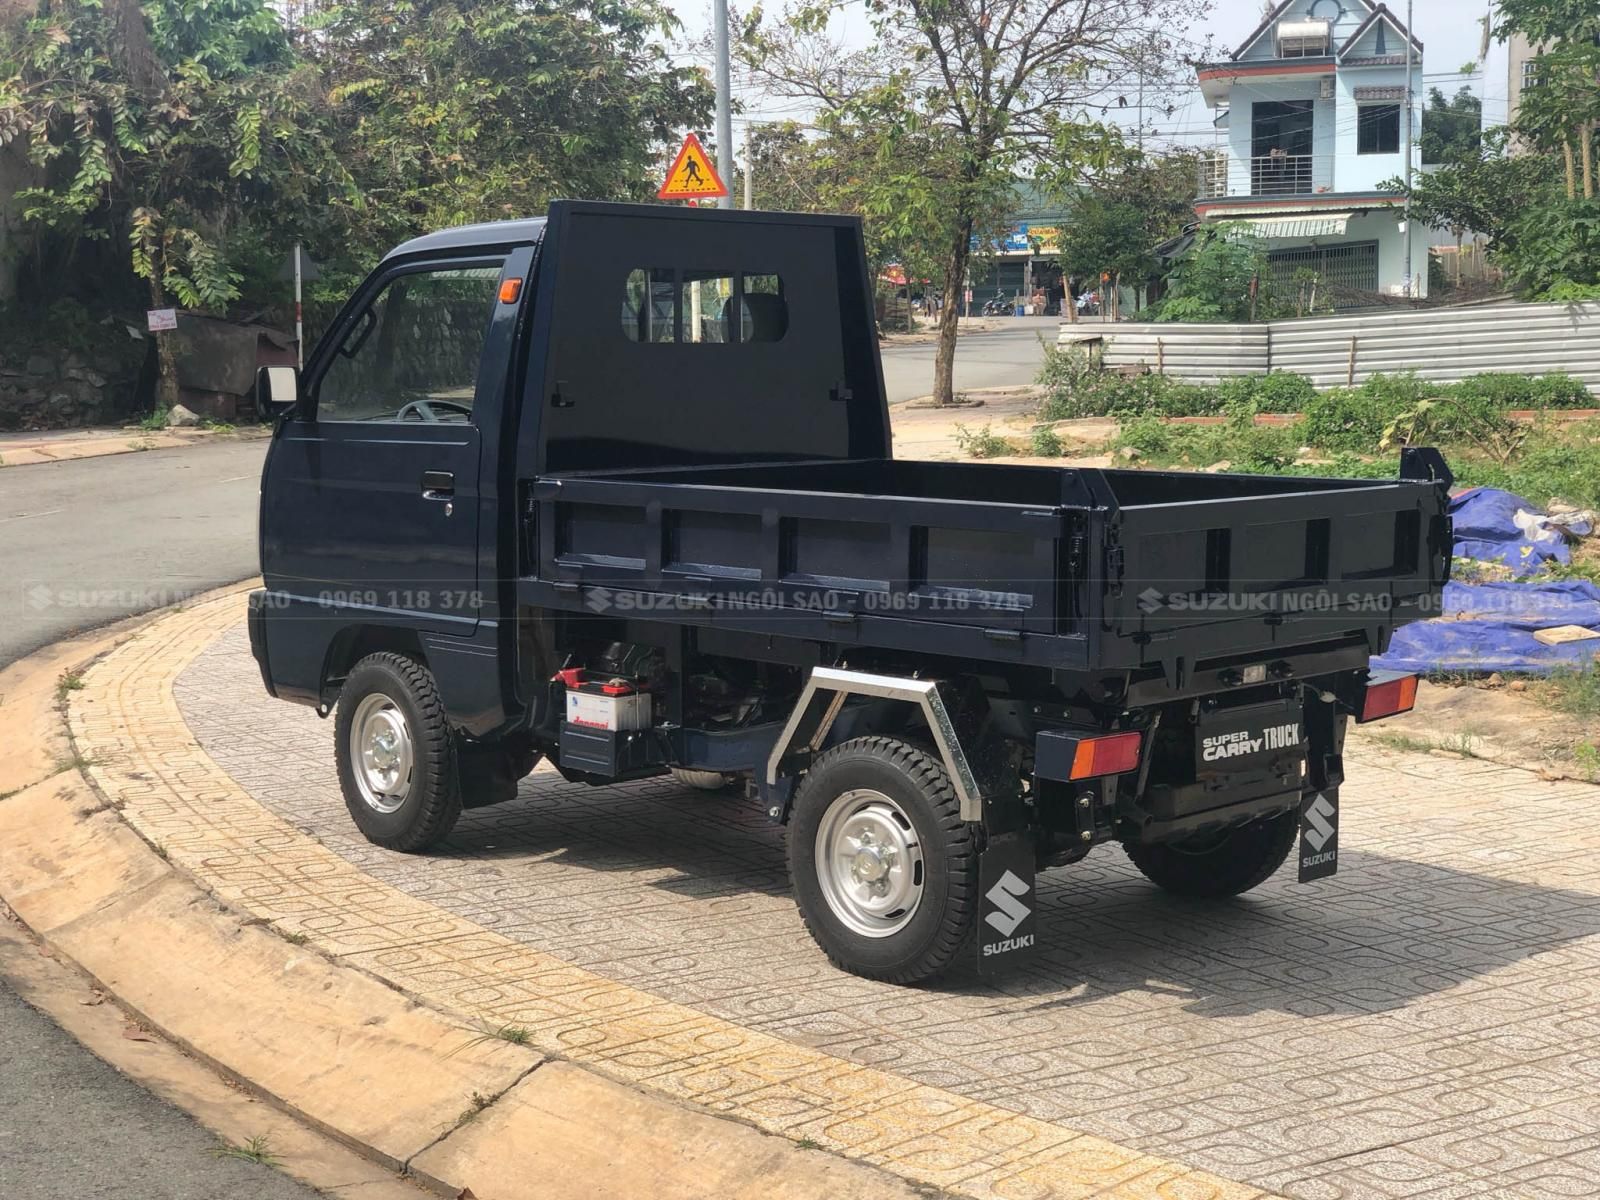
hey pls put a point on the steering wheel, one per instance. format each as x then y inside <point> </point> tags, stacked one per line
<point>423,410</point>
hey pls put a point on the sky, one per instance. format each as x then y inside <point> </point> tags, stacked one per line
<point>1449,30</point>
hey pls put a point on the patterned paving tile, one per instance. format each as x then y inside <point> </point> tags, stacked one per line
<point>1425,1024</point>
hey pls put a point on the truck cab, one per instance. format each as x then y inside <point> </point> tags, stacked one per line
<point>614,489</point>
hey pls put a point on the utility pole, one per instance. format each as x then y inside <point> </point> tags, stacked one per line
<point>749,166</point>
<point>1410,121</point>
<point>725,102</point>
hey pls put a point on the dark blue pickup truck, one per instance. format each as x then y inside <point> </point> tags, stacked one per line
<point>614,489</point>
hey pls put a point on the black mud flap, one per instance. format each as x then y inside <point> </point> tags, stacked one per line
<point>1319,834</point>
<point>1008,908</point>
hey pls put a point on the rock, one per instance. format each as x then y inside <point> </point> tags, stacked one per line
<point>1494,681</point>
<point>1217,468</point>
<point>1516,685</point>
<point>1130,453</point>
<point>181,418</point>
<point>38,364</point>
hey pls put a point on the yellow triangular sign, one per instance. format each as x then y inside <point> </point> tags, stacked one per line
<point>692,176</point>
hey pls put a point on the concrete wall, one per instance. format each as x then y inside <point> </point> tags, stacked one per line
<point>1355,172</point>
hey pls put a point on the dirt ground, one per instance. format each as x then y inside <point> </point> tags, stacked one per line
<point>1504,723</point>
<point>922,431</point>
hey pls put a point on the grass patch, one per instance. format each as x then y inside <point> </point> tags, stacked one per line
<point>1587,756</point>
<point>70,681</point>
<point>294,939</point>
<point>981,443</point>
<point>1045,443</point>
<point>1571,691</point>
<point>1458,743</point>
<point>154,422</point>
<point>806,1143</point>
<point>517,1035</point>
<point>256,1150</point>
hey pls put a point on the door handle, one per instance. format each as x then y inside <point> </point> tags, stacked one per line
<point>438,485</point>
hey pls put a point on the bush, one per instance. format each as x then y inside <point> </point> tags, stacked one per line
<point>981,443</point>
<point>1525,391</point>
<point>1045,443</point>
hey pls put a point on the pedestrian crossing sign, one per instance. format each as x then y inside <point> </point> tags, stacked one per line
<point>692,176</point>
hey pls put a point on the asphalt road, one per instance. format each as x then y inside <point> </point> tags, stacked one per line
<point>83,543</point>
<point>86,542</point>
<point>1008,357</point>
<point>72,1128</point>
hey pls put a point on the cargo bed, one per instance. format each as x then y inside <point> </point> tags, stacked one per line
<point>1049,566</point>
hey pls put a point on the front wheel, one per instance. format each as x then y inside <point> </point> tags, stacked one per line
<point>1214,865</point>
<point>397,755</point>
<point>885,870</point>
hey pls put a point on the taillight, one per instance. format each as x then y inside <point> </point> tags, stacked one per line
<point>1388,696</point>
<point>1109,755</point>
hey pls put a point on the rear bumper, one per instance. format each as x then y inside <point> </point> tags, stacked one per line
<point>256,623</point>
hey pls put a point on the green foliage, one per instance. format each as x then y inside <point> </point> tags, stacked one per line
<point>1119,219</point>
<point>1045,443</point>
<point>1451,128</point>
<point>1555,251</point>
<point>981,443</point>
<point>180,147</point>
<point>1223,276</point>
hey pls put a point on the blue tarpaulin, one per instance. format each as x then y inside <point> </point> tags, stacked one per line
<point>1499,527</point>
<point>1489,627</point>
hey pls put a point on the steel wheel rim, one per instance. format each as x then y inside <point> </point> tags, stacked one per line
<point>381,753</point>
<point>869,863</point>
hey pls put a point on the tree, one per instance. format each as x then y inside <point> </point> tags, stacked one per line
<point>1223,276</point>
<point>1120,218</point>
<point>1487,191</point>
<point>454,111</point>
<point>1560,113</point>
<point>987,91</point>
<point>1452,128</point>
<point>151,128</point>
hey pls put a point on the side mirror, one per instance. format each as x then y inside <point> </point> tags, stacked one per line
<point>277,391</point>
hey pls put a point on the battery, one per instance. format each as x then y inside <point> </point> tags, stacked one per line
<point>605,703</point>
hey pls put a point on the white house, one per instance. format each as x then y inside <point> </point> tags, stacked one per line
<point>1314,109</point>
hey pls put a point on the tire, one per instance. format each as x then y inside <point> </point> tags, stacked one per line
<point>895,804</point>
<point>396,754</point>
<point>704,781</point>
<point>1212,866</point>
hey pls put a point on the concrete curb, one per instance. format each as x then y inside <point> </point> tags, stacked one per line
<point>30,452</point>
<point>460,1111</point>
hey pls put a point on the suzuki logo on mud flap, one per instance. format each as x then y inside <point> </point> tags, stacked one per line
<point>1319,822</point>
<point>1013,912</point>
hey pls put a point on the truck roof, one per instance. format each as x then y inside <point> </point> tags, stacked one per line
<point>465,237</point>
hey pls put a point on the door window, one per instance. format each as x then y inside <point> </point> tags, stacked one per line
<point>413,354</point>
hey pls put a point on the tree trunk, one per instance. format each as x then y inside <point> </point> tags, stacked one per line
<point>166,360</point>
<point>955,276</point>
<point>1588,160</point>
<point>1572,171</point>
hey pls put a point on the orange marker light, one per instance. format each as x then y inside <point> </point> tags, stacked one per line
<point>510,290</point>
<point>1111,755</point>
<point>1390,697</point>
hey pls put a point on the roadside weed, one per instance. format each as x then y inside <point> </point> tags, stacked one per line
<point>256,1150</point>
<point>981,443</point>
<point>517,1035</point>
<point>70,681</point>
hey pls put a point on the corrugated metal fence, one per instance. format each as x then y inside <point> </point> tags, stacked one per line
<point>1443,345</point>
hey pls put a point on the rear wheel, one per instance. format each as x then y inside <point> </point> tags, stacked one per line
<point>396,754</point>
<point>1226,863</point>
<point>885,871</point>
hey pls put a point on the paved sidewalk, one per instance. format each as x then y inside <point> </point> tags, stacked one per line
<point>1426,1024</point>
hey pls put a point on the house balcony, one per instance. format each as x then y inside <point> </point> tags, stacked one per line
<point>1269,176</point>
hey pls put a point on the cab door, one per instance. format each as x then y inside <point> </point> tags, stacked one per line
<point>373,484</point>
